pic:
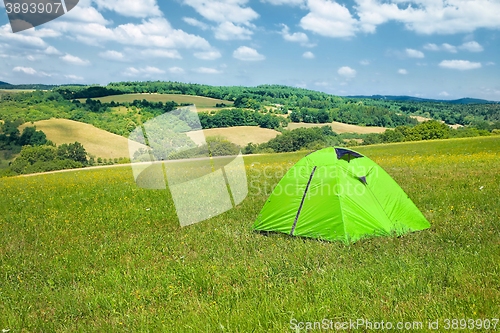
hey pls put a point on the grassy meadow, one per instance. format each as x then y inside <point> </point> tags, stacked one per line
<point>89,251</point>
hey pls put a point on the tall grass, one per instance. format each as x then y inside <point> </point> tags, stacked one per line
<point>89,251</point>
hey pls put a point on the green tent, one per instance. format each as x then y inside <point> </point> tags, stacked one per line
<point>338,194</point>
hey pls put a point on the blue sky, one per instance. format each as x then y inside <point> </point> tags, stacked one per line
<point>426,48</point>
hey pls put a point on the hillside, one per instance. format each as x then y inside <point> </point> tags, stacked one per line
<point>241,135</point>
<point>97,142</point>
<point>202,103</point>
<point>340,128</point>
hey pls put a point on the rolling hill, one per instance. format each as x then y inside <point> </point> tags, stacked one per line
<point>97,142</point>
<point>340,128</point>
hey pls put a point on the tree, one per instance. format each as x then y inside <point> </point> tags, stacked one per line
<point>73,151</point>
<point>32,137</point>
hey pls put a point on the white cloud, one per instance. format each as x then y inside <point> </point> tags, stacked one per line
<point>112,55</point>
<point>82,14</point>
<point>285,2</point>
<point>207,70</point>
<point>402,71</point>
<point>195,23</point>
<point>472,46</point>
<point>443,47</point>
<point>52,51</point>
<point>444,94</point>
<point>176,70</point>
<point>347,72</point>
<point>308,55</point>
<point>159,53</point>
<point>224,10</point>
<point>145,71</point>
<point>150,33</point>
<point>131,8</point>
<point>21,40</point>
<point>74,60</point>
<point>231,31</point>
<point>25,70</point>
<point>430,16</point>
<point>208,55</point>
<point>297,37</point>
<point>74,77</point>
<point>460,64</point>
<point>365,62</point>
<point>414,53</point>
<point>246,53</point>
<point>431,47</point>
<point>449,48</point>
<point>328,18</point>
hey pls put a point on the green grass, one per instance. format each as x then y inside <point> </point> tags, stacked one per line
<point>200,102</point>
<point>89,251</point>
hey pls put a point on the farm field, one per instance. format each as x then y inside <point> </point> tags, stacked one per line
<point>202,103</point>
<point>96,141</point>
<point>340,128</point>
<point>241,135</point>
<point>89,251</point>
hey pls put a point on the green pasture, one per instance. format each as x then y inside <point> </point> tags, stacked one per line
<point>89,251</point>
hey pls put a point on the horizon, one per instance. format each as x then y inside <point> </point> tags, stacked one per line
<point>343,96</point>
<point>424,49</point>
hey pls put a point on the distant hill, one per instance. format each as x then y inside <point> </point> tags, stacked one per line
<point>4,84</point>
<point>466,100</point>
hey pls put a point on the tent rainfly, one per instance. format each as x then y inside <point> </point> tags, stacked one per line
<point>338,194</point>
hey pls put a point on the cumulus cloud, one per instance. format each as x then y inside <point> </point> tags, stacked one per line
<point>347,72</point>
<point>25,70</point>
<point>159,53</point>
<point>297,37</point>
<point>152,33</point>
<point>472,46</point>
<point>176,70</point>
<point>443,47</point>
<point>460,64</point>
<point>224,10</point>
<point>74,60</point>
<point>430,16</point>
<point>402,71</point>
<point>131,8</point>
<point>208,55</point>
<point>145,71</point>
<point>365,62</point>
<point>414,53</point>
<point>195,23</point>
<point>285,2</point>
<point>328,18</point>
<point>231,31</point>
<point>52,51</point>
<point>246,53</point>
<point>112,55</point>
<point>74,77</point>
<point>308,55</point>
<point>207,70</point>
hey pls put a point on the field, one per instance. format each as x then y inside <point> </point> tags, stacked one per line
<point>89,251</point>
<point>96,141</point>
<point>202,103</point>
<point>243,135</point>
<point>340,128</point>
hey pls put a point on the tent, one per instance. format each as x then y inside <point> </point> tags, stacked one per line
<point>339,194</point>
